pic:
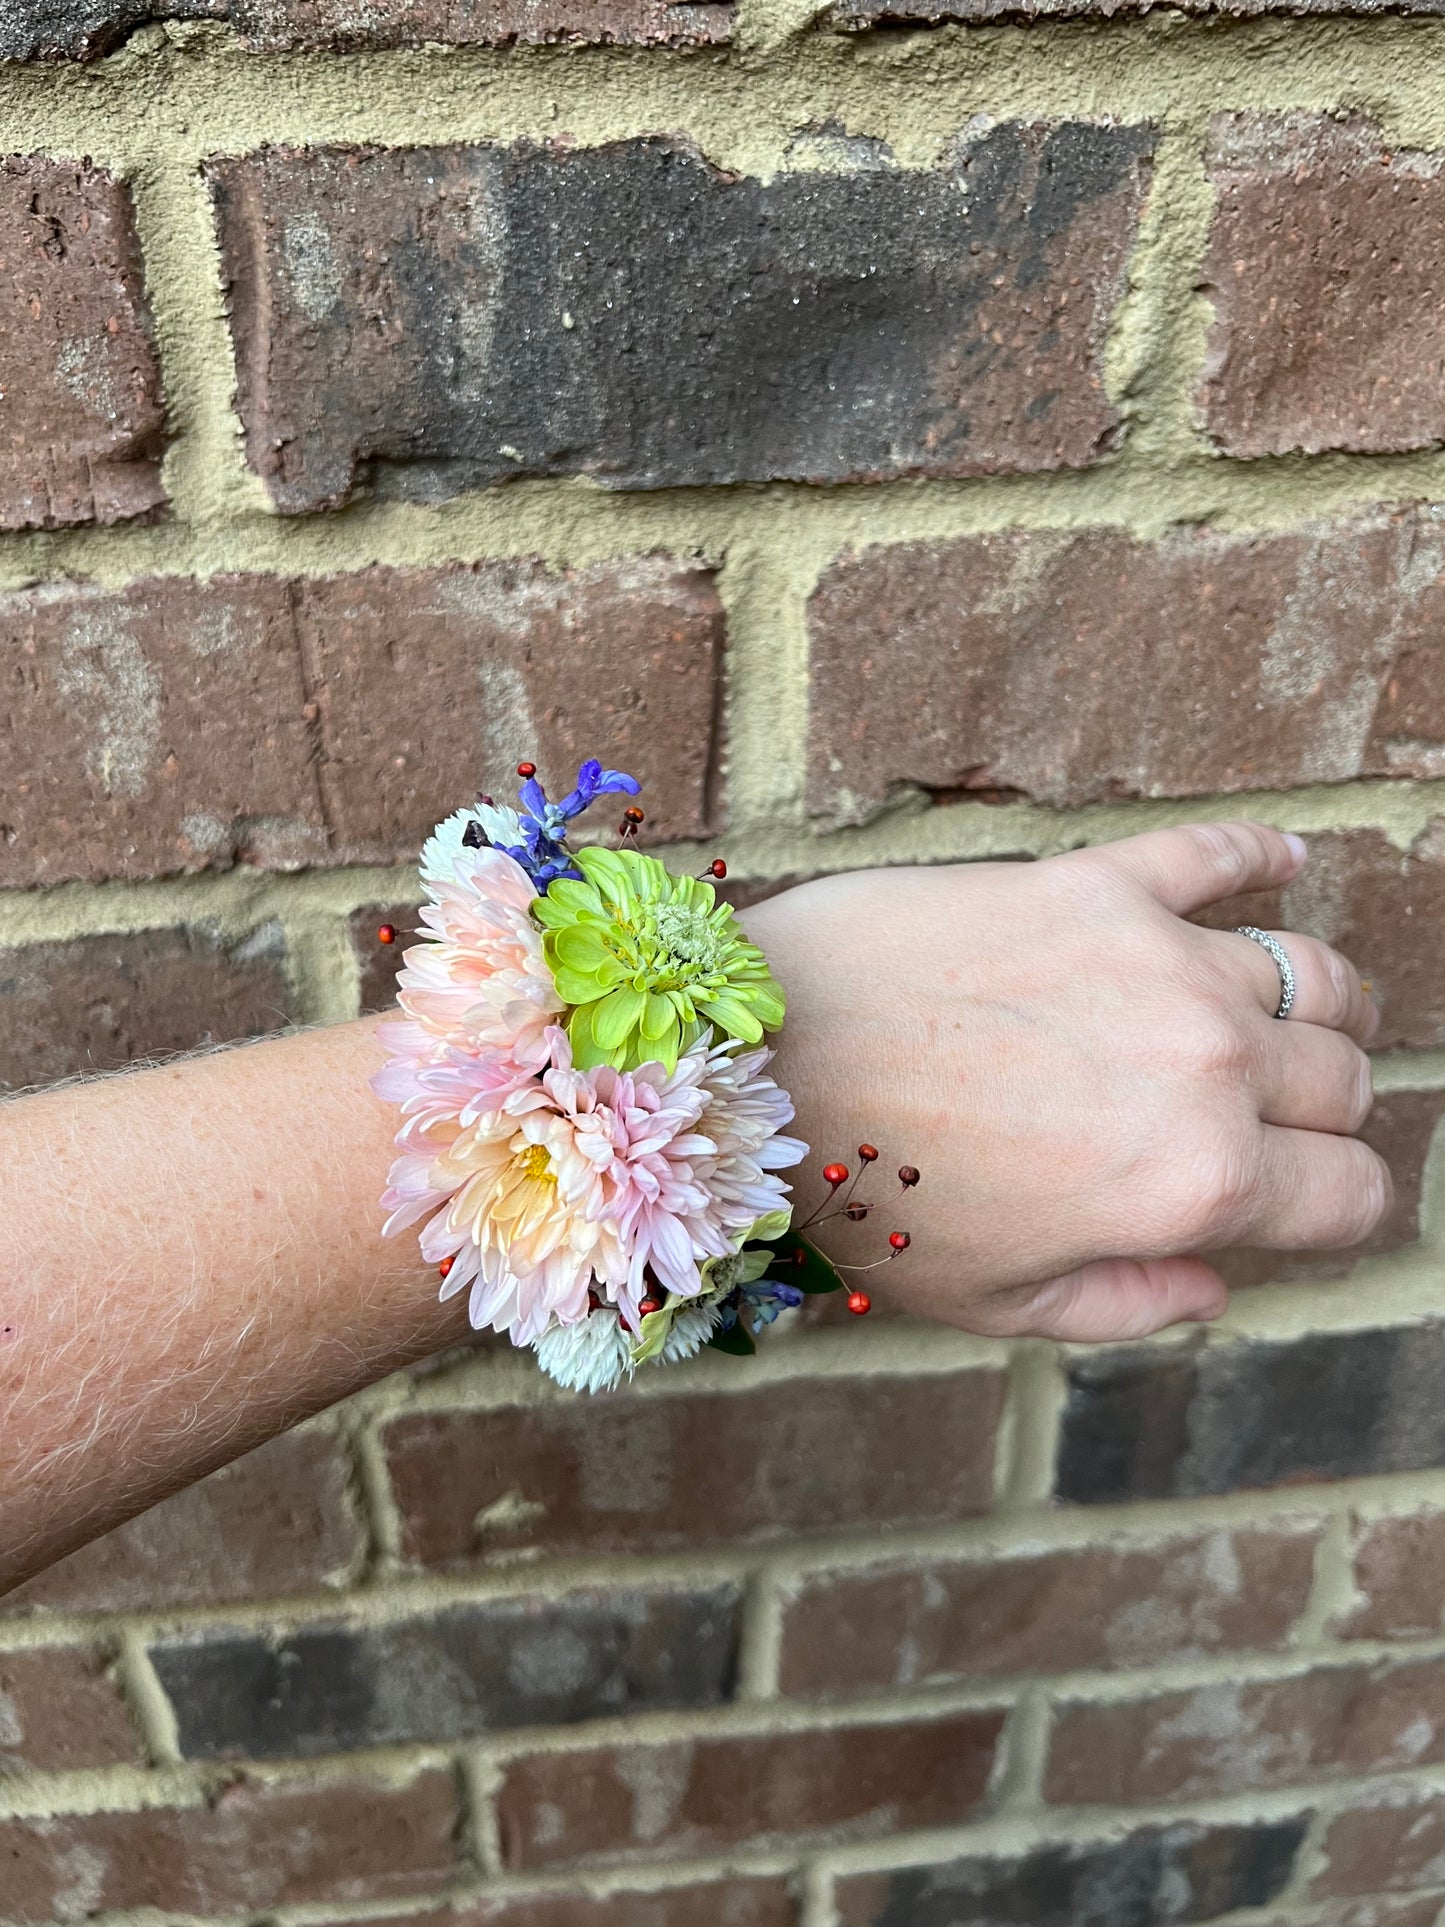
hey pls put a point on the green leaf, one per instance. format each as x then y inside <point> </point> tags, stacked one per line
<point>769,1228</point>
<point>653,1331</point>
<point>737,1339</point>
<point>802,1264</point>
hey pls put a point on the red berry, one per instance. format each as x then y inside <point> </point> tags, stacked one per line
<point>594,1300</point>
<point>649,1305</point>
<point>857,1211</point>
<point>835,1174</point>
<point>908,1175</point>
<point>718,868</point>
<point>859,1302</point>
<point>634,815</point>
<point>868,1153</point>
<point>526,771</point>
<point>899,1240</point>
<point>387,933</point>
<point>445,1266</point>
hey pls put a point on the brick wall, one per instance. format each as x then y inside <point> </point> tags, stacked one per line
<point>899,438</point>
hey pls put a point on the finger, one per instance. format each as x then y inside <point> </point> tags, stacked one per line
<point>1327,987</point>
<point>1202,863</point>
<point>1310,1079</point>
<point>1113,1298</point>
<point>1316,1193</point>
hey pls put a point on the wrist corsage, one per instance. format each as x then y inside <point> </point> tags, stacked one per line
<point>589,1140</point>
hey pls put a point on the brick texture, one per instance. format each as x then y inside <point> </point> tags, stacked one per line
<point>84,420</point>
<point>253,1847</point>
<point>1323,267</point>
<point>86,29</point>
<point>178,724</point>
<point>704,1796</point>
<point>447,1675</point>
<point>859,14</point>
<point>1175,1874</point>
<point>736,1902</point>
<point>59,1711</point>
<point>1340,1720</point>
<point>902,1625</point>
<point>1399,1578</point>
<point>622,1473</point>
<point>1179,1422</point>
<point>95,1003</point>
<point>402,315</point>
<point>276,1524</point>
<point>1198,663</point>
<point>1394,1842</point>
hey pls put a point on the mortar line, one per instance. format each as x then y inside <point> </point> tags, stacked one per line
<point>1028,1440</point>
<point>149,1704</point>
<point>1332,1592</point>
<point>1024,1754</point>
<point>761,1637</point>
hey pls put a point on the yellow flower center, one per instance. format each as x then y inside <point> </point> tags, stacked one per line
<point>535,1163</point>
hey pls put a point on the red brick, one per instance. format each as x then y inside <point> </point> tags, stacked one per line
<point>86,29</point>
<point>95,1003</point>
<point>831,326</point>
<point>84,418</point>
<point>1399,1577</point>
<point>1198,663</point>
<point>181,724</point>
<point>1394,1842</point>
<point>377,962</point>
<point>1381,1911</point>
<point>254,1847</point>
<point>58,1710</point>
<point>901,1624</point>
<point>1324,266</point>
<point>706,1795</point>
<point>627,1474</point>
<point>737,1902</point>
<point>1256,1733</point>
<point>275,1524</point>
<point>858,14</point>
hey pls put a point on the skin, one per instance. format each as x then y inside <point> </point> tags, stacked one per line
<point>1095,1090</point>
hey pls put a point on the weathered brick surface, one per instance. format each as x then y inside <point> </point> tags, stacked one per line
<point>704,1796</point>
<point>58,1711</point>
<point>1075,667</point>
<point>402,315</point>
<point>1394,1842</point>
<point>86,29</point>
<point>443,1676</point>
<point>377,962</point>
<point>253,1847</point>
<point>858,14</point>
<point>735,1902</point>
<point>84,421</point>
<point>1178,1422</point>
<point>1176,1874</point>
<point>902,1624</point>
<point>1256,1733</point>
<point>177,723</point>
<point>275,1524</point>
<point>631,1474</point>
<point>1399,1578</point>
<point>1381,1910</point>
<point>1323,267</point>
<point>95,1003</point>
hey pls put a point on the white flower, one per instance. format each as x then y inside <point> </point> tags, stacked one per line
<point>498,824</point>
<point>692,1327</point>
<point>594,1355</point>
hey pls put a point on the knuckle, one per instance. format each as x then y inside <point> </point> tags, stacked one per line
<point>1369,1197</point>
<point>1339,983</point>
<point>1210,1042</point>
<point>1212,1192</point>
<point>1228,848</point>
<point>1364,1087</point>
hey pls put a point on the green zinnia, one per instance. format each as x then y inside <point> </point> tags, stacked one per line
<point>650,963</point>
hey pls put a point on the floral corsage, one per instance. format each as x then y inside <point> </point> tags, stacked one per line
<point>590,1142</point>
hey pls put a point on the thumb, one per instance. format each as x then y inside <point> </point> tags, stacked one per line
<point>1117,1298</point>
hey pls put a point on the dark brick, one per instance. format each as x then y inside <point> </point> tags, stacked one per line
<point>704,1796</point>
<point>275,1524</point>
<point>1177,1874</point>
<point>178,724</point>
<point>254,1847</point>
<point>84,421</point>
<point>1324,266</point>
<point>1182,1421</point>
<point>1395,1841</point>
<point>626,1474</point>
<point>401,314</point>
<point>737,1902</point>
<point>95,1003</point>
<point>379,962</point>
<point>59,1711</point>
<point>1257,1733</point>
<point>469,1669</point>
<point>1402,1129</point>
<point>902,1624</point>
<point>86,29</point>
<point>1198,663</point>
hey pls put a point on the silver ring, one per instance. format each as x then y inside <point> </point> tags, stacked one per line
<point>1281,963</point>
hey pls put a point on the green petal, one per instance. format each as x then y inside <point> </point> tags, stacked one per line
<point>574,988</point>
<point>732,1015</point>
<point>587,1053</point>
<point>580,947</point>
<point>616,1016</point>
<point>657,1017</point>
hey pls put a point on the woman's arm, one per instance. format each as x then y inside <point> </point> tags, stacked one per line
<point>190,1257</point>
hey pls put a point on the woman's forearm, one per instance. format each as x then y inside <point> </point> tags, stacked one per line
<point>190,1261</point>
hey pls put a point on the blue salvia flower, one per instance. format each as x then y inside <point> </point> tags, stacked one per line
<point>543,853</point>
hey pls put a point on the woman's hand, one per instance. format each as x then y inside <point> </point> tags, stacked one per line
<point>1094,1089</point>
